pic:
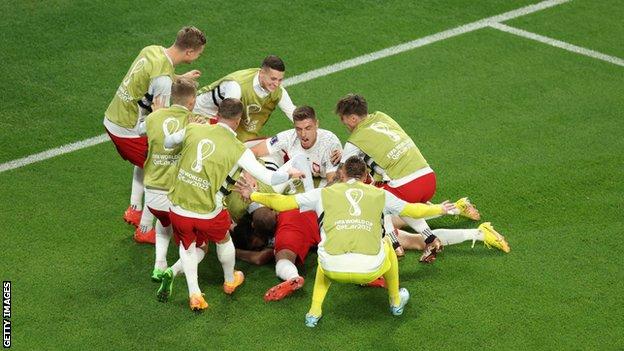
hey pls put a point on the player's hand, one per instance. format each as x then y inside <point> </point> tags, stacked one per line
<point>195,118</point>
<point>249,179</point>
<point>244,188</point>
<point>194,74</point>
<point>295,174</point>
<point>336,156</point>
<point>448,207</point>
<point>432,248</point>
<point>158,103</point>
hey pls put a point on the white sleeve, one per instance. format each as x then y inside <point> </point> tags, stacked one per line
<point>278,142</point>
<point>308,201</point>
<point>172,140</point>
<point>142,128</point>
<point>230,89</point>
<point>350,150</point>
<point>334,144</point>
<point>286,105</point>
<point>393,204</point>
<point>249,163</point>
<point>161,86</point>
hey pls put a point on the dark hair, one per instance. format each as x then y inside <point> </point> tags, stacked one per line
<point>264,222</point>
<point>355,167</point>
<point>273,62</point>
<point>352,104</point>
<point>182,90</point>
<point>230,108</point>
<point>245,232</point>
<point>190,38</point>
<point>303,112</point>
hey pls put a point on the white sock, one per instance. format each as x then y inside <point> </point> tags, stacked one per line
<point>456,236</point>
<point>136,196</point>
<point>147,220</point>
<point>163,236</point>
<point>285,269</point>
<point>189,264</point>
<point>177,267</point>
<point>226,254</point>
<point>419,225</point>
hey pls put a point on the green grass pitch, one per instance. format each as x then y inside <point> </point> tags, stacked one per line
<point>532,133</point>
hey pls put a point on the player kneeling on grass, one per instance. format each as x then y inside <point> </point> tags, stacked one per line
<point>210,156</point>
<point>352,247</point>
<point>160,165</point>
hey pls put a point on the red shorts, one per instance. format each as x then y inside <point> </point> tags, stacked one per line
<point>163,216</point>
<point>187,229</point>
<point>420,189</point>
<point>298,232</point>
<point>131,149</point>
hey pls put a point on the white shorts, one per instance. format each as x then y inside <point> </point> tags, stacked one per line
<point>157,199</point>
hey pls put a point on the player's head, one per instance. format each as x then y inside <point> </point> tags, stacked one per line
<point>253,232</point>
<point>271,73</point>
<point>352,109</point>
<point>183,92</point>
<point>230,112</point>
<point>263,221</point>
<point>306,125</point>
<point>190,43</point>
<point>354,167</point>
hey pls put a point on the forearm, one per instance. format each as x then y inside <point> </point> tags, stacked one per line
<point>249,163</point>
<point>255,257</point>
<point>421,210</point>
<point>277,202</point>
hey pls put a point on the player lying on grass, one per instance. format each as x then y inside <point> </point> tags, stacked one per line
<point>210,156</point>
<point>390,152</point>
<point>260,91</point>
<point>148,80</point>
<point>352,247</point>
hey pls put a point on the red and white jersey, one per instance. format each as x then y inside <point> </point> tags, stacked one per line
<point>319,154</point>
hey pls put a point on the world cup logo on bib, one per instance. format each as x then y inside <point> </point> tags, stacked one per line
<point>170,126</point>
<point>354,196</point>
<point>138,66</point>
<point>205,148</point>
<point>381,127</point>
<point>250,125</point>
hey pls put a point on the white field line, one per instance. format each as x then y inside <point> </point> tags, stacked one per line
<point>559,44</point>
<point>320,72</point>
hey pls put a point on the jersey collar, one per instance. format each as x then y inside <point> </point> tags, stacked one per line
<point>226,127</point>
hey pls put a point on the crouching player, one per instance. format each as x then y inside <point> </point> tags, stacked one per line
<point>160,164</point>
<point>352,247</point>
<point>210,156</point>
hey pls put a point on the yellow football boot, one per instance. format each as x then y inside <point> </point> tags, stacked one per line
<point>239,278</point>
<point>467,209</point>
<point>197,302</point>
<point>491,238</point>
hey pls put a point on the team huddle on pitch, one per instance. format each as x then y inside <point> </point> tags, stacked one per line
<point>203,173</point>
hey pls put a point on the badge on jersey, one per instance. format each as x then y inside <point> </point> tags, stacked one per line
<point>273,140</point>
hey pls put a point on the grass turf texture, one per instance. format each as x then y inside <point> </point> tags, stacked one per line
<point>532,133</point>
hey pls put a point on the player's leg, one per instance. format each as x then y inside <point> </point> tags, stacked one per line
<point>145,232</point>
<point>216,229</point>
<point>286,270</point>
<point>168,276</point>
<point>134,211</point>
<point>321,286</point>
<point>163,236</point>
<point>398,297</point>
<point>185,236</point>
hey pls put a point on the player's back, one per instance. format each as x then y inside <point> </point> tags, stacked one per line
<point>151,62</point>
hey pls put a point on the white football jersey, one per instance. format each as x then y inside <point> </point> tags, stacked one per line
<point>319,154</point>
